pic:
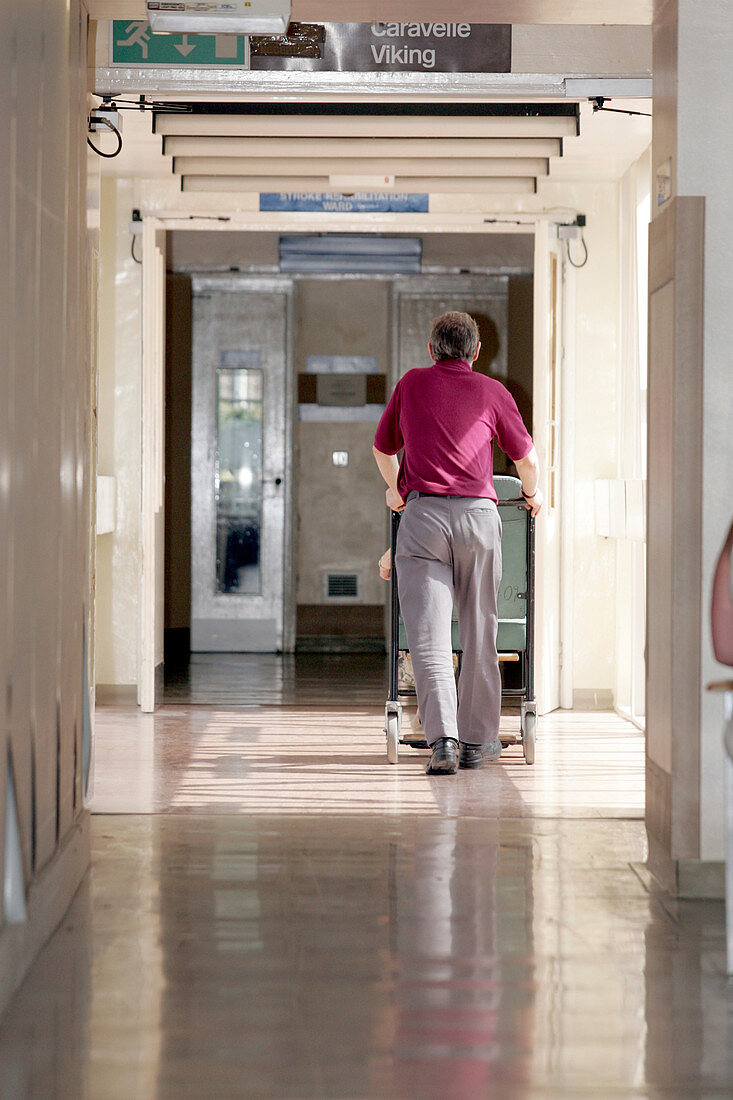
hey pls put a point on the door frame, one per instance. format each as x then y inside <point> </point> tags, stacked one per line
<point>550,430</point>
<point>153,420</point>
<point>152,476</point>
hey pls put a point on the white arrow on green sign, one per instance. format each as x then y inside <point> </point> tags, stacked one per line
<point>133,44</point>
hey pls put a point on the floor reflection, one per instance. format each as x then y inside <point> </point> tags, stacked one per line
<point>332,760</point>
<point>372,956</point>
<point>44,1034</point>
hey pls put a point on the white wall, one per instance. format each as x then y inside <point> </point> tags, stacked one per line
<point>704,167</point>
<point>632,430</point>
<point>595,397</point>
<point>690,470</point>
<point>119,553</point>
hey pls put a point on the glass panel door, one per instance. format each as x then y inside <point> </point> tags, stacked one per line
<point>241,456</point>
<point>238,485</point>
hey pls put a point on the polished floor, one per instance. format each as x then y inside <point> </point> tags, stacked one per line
<point>274,911</point>
<point>315,761</point>
<point>269,679</point>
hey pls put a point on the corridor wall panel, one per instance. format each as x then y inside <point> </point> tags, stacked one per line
<point>45,422</point>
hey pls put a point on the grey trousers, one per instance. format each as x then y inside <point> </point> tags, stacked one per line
<point>449,551</point>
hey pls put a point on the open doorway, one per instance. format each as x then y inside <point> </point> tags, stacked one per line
<point>345,338</point>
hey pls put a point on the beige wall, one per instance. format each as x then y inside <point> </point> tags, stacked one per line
<point>118,553</point>
<point>621,50</point>
<point>219,250</point>
<point>505,252</point>
<point>46,434</point>
<point>341,515</point>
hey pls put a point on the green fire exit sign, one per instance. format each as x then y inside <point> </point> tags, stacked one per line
<point>133,44</point>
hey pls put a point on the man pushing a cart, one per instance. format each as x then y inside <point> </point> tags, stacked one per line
<point>444,419</point>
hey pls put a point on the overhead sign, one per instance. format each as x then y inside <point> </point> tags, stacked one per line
<point>361,202</point>
<point>422,47</point>
<point>133,43</point>
<point>387,47</point>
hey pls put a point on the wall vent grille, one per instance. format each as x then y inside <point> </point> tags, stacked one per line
<point>342,585</point>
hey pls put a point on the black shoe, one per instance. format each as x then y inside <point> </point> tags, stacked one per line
<point>444,757</point>
<point>475,756</point>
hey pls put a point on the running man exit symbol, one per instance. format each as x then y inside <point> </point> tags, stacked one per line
<point>139,36</point>
<point>134,44</point>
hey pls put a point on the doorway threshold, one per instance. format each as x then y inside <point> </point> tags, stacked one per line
<point>273,679</point>
<point>333,643</point>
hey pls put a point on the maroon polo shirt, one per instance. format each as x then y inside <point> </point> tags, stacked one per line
<point>446,418</point>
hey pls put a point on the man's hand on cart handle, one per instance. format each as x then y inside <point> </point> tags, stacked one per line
<point>385,565</point>
<point>394,500</point>
<point>535,502</point>
<point>389,468</point>
<point>528,469</point>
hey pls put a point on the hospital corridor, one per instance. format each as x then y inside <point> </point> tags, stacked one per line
<point>288,286</point>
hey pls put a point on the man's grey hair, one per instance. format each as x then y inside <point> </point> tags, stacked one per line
<point>454,335</point>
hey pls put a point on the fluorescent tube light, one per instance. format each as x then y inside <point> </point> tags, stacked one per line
<point>412,184</point>
<point>192,146</point>
<point>228,16</point>
<point>355,166</point>
<point>380,126</point>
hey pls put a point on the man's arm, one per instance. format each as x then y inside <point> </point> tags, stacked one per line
<point>389,468</point>
<point>528,469</point>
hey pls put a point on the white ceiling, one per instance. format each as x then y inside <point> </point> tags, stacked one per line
<point>608,144</point>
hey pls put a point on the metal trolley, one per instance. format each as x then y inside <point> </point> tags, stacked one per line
<point>515,634</point>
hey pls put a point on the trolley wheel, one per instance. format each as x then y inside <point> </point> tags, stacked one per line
<point>529,736</point>
<point>393,738</point>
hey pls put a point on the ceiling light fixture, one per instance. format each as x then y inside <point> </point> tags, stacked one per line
<point>184,146</point>
<point>507,185</point>
<point>354,166</point>
<point>351,126</point>
<point>215,17</point>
